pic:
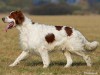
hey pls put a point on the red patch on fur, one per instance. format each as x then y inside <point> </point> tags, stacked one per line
<point>33,22</point>
<point>58,28</point>
<point>18,16</point>
<point>68,31</point>
<point>50,37</point>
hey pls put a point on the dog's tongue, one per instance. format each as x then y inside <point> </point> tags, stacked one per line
<point>9,26</point>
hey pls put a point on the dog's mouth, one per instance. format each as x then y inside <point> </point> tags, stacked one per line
<point>9,26</point>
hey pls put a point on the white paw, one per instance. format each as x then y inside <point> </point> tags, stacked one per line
<point>12,65</point>
<point>89,65</point>
<point>66,66</point>
<point>45,66</point>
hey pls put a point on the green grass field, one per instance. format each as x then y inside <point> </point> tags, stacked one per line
<point>10,49</point>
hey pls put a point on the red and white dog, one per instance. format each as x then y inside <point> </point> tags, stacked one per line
<point>41,39</point>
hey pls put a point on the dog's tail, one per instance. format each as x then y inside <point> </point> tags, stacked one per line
<point>91,46</point>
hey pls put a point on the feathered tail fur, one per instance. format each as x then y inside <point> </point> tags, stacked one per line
<point>90,46</point>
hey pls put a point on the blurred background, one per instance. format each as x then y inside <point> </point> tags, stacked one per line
<point>51,7</point>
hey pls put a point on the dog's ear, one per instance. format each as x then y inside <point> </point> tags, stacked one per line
<point>20,17</point>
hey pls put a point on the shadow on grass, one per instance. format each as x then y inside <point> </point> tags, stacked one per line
<point>55,63</point>
<point>34,63</point>
<point>79,64</point>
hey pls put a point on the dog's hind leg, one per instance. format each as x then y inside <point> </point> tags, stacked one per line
<point>20,57</point>
<point>85,57</point>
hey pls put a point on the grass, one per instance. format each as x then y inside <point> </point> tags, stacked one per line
<point>10,49</point>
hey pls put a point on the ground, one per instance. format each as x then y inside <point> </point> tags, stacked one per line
<point>89,25</point>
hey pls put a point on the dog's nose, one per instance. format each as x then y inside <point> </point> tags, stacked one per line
<point>3,19</point>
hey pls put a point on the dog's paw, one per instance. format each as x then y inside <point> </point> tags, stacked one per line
<point>11,65</point>
<point>67,66</point>
<point>45,66</point>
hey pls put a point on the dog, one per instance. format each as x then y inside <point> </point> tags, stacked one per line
<point>41,39</point>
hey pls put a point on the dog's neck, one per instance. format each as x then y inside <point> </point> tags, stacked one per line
<point>23,26</point>
<point>27,21</point>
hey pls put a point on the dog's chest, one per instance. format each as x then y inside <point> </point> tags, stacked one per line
<point>29,41</point>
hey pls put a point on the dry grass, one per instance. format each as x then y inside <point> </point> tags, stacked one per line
<point>10,49</point>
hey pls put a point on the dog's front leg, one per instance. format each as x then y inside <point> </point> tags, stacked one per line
<point>45,57</point>
<point>20,57</point>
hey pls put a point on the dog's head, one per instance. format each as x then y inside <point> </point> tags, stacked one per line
<point>14,19</point>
